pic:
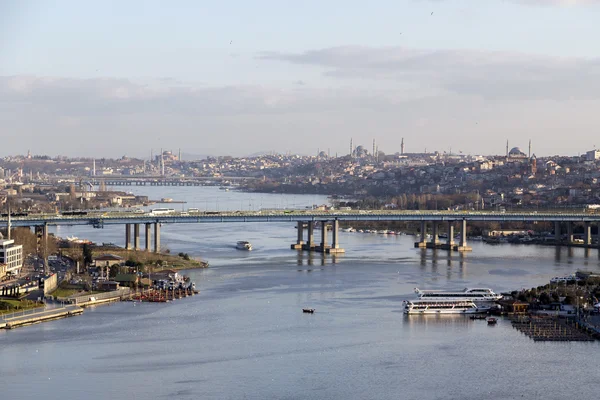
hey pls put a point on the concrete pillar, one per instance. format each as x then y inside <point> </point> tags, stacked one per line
<point>463,233</point>
<point>310,242</point>
<point>136,237</point>
<point>148,236</point>
<point>300,232</point>
<point>450,233</point>
<point>569,232</point>
<point>334,232</point>
<point>157,237</point>
<point>323,235</point>
<point>588,234</point>
<point>422,240</point>
<point>127,236</point>
<point>300,240</point>
<point>434,233</point>
<point>557,233</point>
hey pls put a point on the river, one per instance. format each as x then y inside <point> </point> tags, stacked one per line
<point>244,336</point>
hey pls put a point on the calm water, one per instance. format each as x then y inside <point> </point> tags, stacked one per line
<point>245,337</point>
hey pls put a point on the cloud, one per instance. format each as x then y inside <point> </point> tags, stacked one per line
<point>491,75</point>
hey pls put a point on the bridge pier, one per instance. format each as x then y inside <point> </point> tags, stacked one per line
<point>136,237</point>
<point>569,233</point>
<point>310,242</point>
<point>557,233</point>
<point>335,245</point>
<point>127,236</point>
<point>157,237</point>
<point>148,227</point>
<point>300,240</point>
<point>422,242</point>
<point>587,234</point>
<point>449,245</point>
<point>322,248</point>
<point>435,240</point>
<point>462,246</point>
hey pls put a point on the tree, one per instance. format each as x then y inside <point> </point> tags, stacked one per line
<point>87,254</point>
<point>114,270</point>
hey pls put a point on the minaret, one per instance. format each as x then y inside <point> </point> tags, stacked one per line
<point>94,167</point>
<point>506,148</point>
<point>529,148</point>
<point>179,157</point>
<point>351,148</point>
<point>373,147</point>
<point>402,147</point>
<point>162,162</point>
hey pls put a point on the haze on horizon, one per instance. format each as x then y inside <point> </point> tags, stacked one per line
<point>111,78</point>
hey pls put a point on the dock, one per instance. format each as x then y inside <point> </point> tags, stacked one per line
<point>550,328</point>
<point>16,320</point>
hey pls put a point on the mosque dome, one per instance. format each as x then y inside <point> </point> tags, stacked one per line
<point>516,152</point>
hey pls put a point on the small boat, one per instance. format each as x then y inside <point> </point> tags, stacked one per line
<point>492,321</point>
<point>308,310</point>
<point>243,245</point>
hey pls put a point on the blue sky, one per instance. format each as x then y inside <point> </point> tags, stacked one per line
<point>233,77</point>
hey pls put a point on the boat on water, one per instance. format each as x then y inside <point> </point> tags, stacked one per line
<point>243,245</point>
<point>475,294</point>
<point>308,310</point>
<point>441,306</point>
<point>492,321</point>
<point>478,317</point>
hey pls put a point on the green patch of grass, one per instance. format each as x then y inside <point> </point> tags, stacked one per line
<point>8,306</point>
<point>62,292</point>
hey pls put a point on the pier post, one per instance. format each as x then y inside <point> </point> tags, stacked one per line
<point>422,241</point>
<point>127,236</point>
<point>462,246</point>
<point>450,231</point>
<point>434,234</point>
<point>335,246</point>
<point>588,234</point>
<point>557,233</point>
<point>569,233</point>
<point>323,247</point>
<point>310,242</point>
<point>148,236</point>
<point>300,240</point>
<point>136,237</point>
<point>157,237</point>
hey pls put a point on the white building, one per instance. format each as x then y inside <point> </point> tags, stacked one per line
<point>12,256</point>
<point>592,155</point>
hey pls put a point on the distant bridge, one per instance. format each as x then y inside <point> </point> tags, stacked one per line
<point>98,219</point>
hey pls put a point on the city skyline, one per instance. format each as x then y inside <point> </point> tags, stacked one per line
<point>110,79</point>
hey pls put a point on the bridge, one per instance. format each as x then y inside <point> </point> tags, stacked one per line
<point>306,219</point>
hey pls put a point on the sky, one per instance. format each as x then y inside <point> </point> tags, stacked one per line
<point>113,78</point>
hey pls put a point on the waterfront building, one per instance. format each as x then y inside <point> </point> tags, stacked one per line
<point>12,256</point>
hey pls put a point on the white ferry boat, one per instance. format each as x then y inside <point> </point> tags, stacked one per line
<point>243,245</point>
<point>478,295</point>
<point>441,306</point>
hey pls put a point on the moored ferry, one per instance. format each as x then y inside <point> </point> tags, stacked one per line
<point>477,295</point>
<point>441,306</point>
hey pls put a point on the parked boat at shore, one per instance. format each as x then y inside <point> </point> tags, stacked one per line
<point>441,306</point>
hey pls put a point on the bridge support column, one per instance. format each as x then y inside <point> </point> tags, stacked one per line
<point>335,246</point>
<point>324,246</point>
<point>450,241</point>
<point>462,246</point>
<point>300,240</point>
<point>136,237</point>
<point>422,241</point>
<point>310,242</point>
<point>569,233</point>
<point>587,234</point>
<point>148,227</point>
<point>127,236</point>
<point>435,240</point>
<point>557,233</point>
<point>157,237</point>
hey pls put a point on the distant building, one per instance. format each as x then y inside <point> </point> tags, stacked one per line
<point>11,255</point>
<point>592,155</point>
<point>516,154</point>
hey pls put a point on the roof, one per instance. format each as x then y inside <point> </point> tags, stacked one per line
<point>108,257</point>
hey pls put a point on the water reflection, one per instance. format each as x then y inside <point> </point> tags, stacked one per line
<point>437,320</point>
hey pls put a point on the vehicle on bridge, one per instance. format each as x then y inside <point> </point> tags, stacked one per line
<point>162,211</point>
